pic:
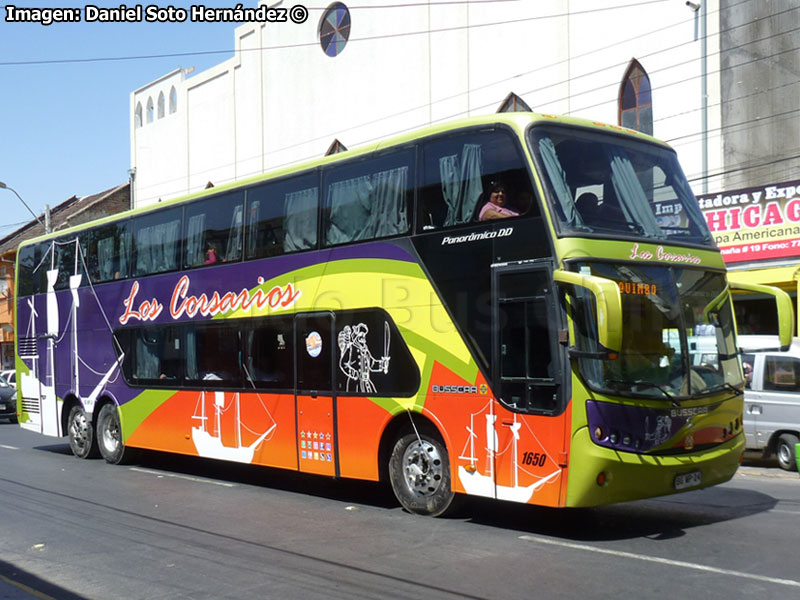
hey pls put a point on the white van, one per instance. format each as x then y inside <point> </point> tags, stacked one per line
<point>772,399</point>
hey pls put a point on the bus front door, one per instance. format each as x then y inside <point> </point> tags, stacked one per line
<point>528,373</point>
<point>316,403</point>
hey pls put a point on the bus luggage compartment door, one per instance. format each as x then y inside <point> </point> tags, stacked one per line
<point>316,435</point>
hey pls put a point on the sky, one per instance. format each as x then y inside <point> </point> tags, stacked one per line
<point>65,109</point>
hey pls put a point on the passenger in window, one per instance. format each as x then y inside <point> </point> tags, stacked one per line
<point>588,207</point>
<point>211,254</point>
<point>498,205</point>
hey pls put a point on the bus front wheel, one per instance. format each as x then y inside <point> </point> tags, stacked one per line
<point>419,470</point>
<point>109,436</point>
<point>82,440</point>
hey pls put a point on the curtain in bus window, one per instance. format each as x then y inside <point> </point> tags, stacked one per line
<point>234,249</point>
<point>300,225</point>
<point>254,209</point>
<point>194,240</point>
<point>558,179</point>
<point>124,251</point>
<point>105,256</point>
<point>461,184</point>
<point>389,209</point>
<point>191,354</point>
<point>632,199</point>
<point>156,247</point>
<point>147,359</point>
<point>349,203</point>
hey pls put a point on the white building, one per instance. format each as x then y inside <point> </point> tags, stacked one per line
<point>283,99</point>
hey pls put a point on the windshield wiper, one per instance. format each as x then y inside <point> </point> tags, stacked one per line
<point>727,386</point>
<point>647,384</point>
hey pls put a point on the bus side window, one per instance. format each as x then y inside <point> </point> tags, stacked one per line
<point>282,216</point>
<point>156,242</point>
<point>268,354</point>
<point>30,278</point>
<point>64,262</point>
<point>213,230</point>
<point>212,354</point>
<point>152,355</point>
<point>106,251</point>
<point>368,199</point>
<point>460,171</point>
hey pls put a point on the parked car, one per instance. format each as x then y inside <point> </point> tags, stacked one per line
<point>772,399</point>
<point>10,375</point>
<point>8,402</point>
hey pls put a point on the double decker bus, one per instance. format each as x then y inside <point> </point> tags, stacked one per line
<point>360,316</point>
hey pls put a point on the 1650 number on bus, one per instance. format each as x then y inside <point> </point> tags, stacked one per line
<point>534,459</point>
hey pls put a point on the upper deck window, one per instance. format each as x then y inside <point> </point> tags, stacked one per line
<point>608,185</point>
<point>213,230</point>
<point>282,216</point>
<point>462,171</point>
<point>156,242</point>
<point>106,250</point>
<point>368,199</point>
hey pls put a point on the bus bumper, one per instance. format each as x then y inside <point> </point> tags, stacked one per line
<point>600,475</point>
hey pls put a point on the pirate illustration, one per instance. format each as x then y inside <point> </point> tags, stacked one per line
<point>356,360</point>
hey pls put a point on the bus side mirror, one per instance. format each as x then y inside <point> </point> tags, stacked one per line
<point>608,302</point>
<point>783,304</point>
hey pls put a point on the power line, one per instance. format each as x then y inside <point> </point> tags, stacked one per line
<point>98,59</point>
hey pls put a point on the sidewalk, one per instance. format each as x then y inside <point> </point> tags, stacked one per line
<point>756,466</point>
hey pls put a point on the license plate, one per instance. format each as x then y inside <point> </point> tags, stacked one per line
<point>2,406</point>
<point>688,480</point>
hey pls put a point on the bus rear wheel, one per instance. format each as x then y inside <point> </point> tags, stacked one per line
<point>785,451</point>
<point>419,471</point>
<point>82,440</point>
<point>109,437</point>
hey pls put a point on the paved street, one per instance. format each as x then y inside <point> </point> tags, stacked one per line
<point>174,527</point>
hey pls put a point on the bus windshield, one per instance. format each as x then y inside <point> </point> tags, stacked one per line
<point>608,185</point>
<point>677,337</point>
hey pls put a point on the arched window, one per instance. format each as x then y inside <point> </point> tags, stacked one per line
<point>137,116</point>
<point>635,101</point>
<point>173,100</point>
<point>149,110</point>
<point>161,105</point>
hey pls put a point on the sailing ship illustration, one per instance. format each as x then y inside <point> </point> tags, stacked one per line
<point>208,440</point>
<point>480,484</point>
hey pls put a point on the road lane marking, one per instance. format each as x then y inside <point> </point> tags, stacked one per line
<point>8,447</point>
<point>186,477</point>
<point>662,561</point>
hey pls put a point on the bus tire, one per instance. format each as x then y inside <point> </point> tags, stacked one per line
<point>785,451</point>
<point>82,440</point>
<point>420,475</point>
<point>109,437</point>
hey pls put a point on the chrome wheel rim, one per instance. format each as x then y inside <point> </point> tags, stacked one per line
<point>422,468</point>
<point>110,436</point>
<point>79,430</point>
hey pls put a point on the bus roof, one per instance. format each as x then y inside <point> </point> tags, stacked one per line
<point>518,121</point>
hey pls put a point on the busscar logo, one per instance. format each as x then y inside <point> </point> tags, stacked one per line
<point>454,389</point>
